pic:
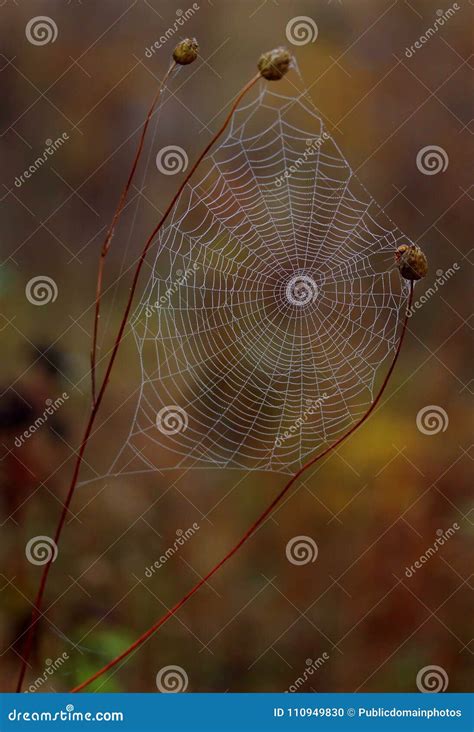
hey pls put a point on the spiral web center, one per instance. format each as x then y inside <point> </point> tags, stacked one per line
<point>271,305</point>
<point>301,290</point>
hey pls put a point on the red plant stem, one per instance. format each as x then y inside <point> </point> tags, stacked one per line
<point>259,521</point>
<point>96,404</point>
<point>110,232</point>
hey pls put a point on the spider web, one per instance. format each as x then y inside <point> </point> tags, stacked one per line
<point>272,304</point>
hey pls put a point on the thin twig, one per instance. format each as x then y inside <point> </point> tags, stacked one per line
<point>108,238</point>
<point>36,612</point>
<point>259,520</point>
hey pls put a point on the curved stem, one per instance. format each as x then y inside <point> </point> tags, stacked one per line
<point>259,521</point>
<point>110,232</point>
<point>36,612</point>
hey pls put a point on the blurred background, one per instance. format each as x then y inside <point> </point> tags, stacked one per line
<point>374,507</point>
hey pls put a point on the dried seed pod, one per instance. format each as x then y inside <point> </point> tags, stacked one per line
<point>273,65</point>
<point>186,51</point>
<point>411,262</point>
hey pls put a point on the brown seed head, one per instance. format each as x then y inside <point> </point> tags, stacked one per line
<point>411,262</point>
<point>186,51</point>
<point>273,65</point>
